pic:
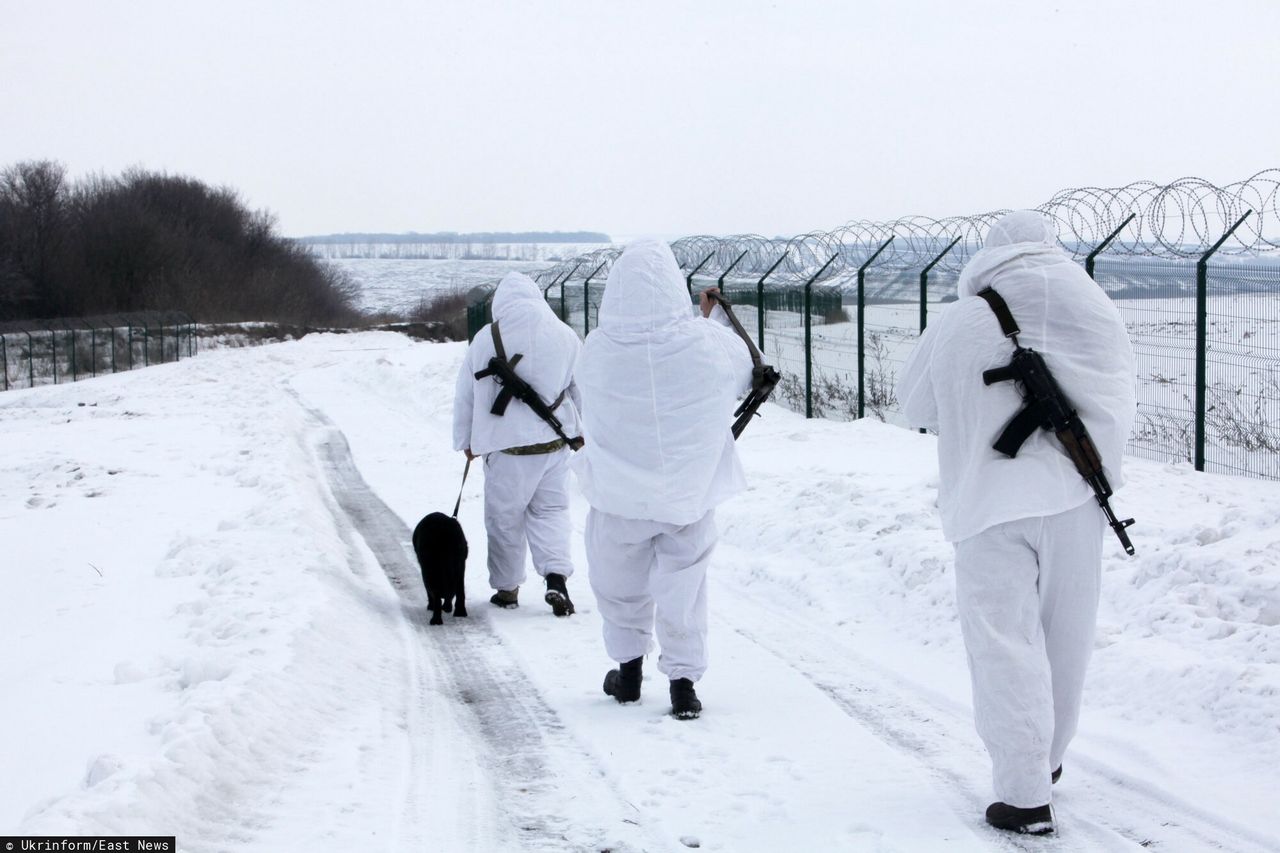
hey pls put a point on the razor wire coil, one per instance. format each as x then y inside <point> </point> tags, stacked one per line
<point>1177,220</point>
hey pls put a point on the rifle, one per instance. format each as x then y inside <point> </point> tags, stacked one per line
<point>1047,407</point>
<point>504,373</point>
<point>763,376</point>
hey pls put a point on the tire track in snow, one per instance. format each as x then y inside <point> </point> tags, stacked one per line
<point>1112,811</point>
<point>524,741</point>
<point>877,707</point>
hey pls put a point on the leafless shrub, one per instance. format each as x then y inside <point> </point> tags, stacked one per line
<point>882,381</point>
<point>448,309</point>
<point>1167,431</point>
<point>835,314</point>
<point>790,392</point>
<point>836,394</point>
<point>1235,417</point>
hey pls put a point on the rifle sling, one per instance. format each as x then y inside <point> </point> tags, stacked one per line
<point>756,360</point>
<point>763,376</point>
<point>1026,421</point>
<point>1008,325</point>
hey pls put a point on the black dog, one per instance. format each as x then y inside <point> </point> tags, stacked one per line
<point>441,547</point>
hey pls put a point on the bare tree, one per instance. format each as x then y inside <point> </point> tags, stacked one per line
<point>33,210</point>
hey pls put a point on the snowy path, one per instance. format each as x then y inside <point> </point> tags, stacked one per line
<point>514,734</point>
<point>252,670</point>
<point>1100,807</point>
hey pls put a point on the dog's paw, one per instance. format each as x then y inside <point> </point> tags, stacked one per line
<point>460,610</point>
<point>436,618</point>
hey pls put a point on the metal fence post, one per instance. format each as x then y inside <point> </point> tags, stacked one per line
<point>130,344</point>
<point>729,269</point>
<point>53,351</point>
<point>1088,262</point>
<point>924,291</point>
<point>74,373</point>
<point>1202,323</point>
<point>688,280</point>
<point>586,301</point>
<point>924,284</point>
<point>760,298</point>
<point>93,347</point>
<point>546,290</point>
<point>564,311</point>
<point>808,337</point>
<point>862,304</point>
<point>546,294</point>
<point>31,360</point>
<point>4,361</point>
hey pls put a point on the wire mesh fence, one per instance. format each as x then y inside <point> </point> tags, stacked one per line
<point>1191,267</point>
<point>49,352</point>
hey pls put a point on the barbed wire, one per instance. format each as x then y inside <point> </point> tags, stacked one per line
<point>1178,220</point>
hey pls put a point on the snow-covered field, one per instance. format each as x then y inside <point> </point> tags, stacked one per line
<point>397,285</point>
<point>392,278</point>
<point>214,628</point>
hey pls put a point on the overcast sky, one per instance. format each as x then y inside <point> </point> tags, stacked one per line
<point>702,116</point>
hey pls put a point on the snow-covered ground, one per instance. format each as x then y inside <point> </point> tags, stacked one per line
<point>214,628</point>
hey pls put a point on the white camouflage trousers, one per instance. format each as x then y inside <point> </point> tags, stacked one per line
<point>1027,592</point>
<point>526,506</point>
<point>647,575</point>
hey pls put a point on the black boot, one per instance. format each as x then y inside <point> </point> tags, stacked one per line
<point>558,595</point>
<point>684,701</point>
<point>1033,821</point>
<point>623,683</point>
<point>507,599</point>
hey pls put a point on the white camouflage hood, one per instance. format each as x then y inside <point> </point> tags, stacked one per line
<point>1021,239</point>
<point>645,291</point>
<point>516,298</point>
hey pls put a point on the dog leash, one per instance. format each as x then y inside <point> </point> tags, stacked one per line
<point>458,505</point>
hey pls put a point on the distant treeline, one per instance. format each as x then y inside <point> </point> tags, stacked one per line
<point>473,237</point>
<point>150,241</point>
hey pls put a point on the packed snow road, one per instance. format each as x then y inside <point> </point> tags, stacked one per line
<point>220,634</point>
